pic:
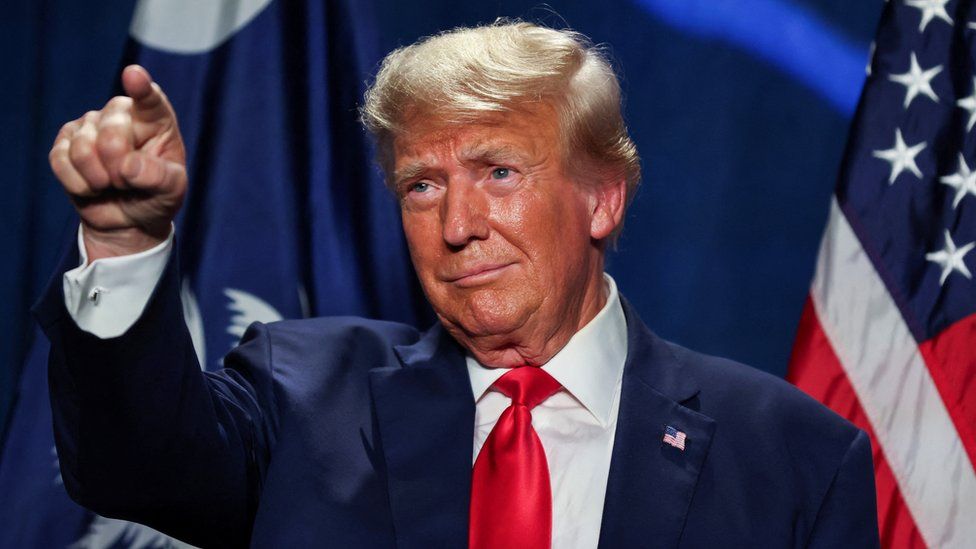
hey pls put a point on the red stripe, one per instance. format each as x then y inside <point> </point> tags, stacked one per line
<point>814,367</point>
<point>951,359</point>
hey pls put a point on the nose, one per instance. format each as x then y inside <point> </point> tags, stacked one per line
<point>464,215</point>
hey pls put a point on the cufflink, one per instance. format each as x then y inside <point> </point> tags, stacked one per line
<point>95,294</point>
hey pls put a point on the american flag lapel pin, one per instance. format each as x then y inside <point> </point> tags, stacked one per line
<point>674,437</point>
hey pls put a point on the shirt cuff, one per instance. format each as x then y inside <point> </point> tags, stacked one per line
<point>105,298</point>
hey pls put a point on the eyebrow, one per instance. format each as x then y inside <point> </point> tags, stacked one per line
<point>409,171</point>
<point>487,153</point>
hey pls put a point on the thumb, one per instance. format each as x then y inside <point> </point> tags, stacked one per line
<point>153,174</point>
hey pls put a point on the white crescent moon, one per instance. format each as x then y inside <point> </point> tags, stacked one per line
<point>190,26</point>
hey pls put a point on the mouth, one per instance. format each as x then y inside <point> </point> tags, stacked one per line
<point>479,274</point>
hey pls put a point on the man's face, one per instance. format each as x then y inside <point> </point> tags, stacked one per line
<point>502,238</point>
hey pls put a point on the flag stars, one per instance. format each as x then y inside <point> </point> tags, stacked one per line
<point>930,9</point>
<point>963,181</point>
<point>917,81</point>
<point>901,157</point>
<point>969,104</point>
<point>950,259</point>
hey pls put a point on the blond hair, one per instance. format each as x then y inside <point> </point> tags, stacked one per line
<point>463,74</point>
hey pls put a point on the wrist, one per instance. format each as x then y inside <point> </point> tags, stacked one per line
<point>100,243</point>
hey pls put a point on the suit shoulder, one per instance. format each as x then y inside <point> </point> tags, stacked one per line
<point>336,340</point>
<point>345,327</point>
<point>778,430</point>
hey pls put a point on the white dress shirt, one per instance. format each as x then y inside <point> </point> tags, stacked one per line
<point>576,425</point>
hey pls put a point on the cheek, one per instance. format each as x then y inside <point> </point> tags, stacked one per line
<point>422,234</point>
<point>544,224</point>
<point>524,220</point>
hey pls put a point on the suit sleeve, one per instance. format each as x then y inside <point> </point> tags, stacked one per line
<point>144,435</point>
<point>848,515</point>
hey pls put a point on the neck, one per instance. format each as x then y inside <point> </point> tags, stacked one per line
<point>537,340</point>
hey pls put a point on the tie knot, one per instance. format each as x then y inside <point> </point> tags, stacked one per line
<point>527,385</point>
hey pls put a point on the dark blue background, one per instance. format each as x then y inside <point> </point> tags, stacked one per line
<point>740,132</point>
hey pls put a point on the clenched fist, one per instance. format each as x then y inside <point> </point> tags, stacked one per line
<point>124,168</point>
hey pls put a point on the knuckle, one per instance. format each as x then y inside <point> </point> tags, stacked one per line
<point>58,163</point>
<point>56,155</point>
<point>81,150</point>
<point>71,184</point>
<point>67,129</point>
<point>113,118</point>
<point>118,102</point>
<point>111,142</point>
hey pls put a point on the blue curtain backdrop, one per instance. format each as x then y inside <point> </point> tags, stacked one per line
<point>740,109</point>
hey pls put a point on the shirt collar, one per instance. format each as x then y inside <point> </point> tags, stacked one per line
<point>589,366</point>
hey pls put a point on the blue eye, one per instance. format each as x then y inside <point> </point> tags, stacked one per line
<point>420,187</point>
<point>500,173</point>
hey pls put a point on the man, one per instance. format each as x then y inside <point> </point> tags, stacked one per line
<point>507,150</point>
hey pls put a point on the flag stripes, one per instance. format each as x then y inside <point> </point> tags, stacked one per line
<point>817,367</point>
<point>883,363</point>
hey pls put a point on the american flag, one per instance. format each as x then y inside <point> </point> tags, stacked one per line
<point>888,334</point>
<point>674,437</point>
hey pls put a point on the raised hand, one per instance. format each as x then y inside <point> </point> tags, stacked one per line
<point>124,168</point>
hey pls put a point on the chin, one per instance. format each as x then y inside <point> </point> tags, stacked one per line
<point>491,312</point>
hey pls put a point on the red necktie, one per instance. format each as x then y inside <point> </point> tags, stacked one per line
<point>511,501</point>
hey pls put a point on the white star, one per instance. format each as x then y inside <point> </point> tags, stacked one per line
<point>930,9</point>
<point>950,259</point>
<point>901,157</point>
<point>963,181</point>
<point>969,103</point>
<point>917,81</point>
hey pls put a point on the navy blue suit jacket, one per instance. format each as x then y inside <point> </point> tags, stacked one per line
<point>346,432</point>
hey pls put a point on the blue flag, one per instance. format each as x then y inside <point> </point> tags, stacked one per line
<point>286,215</point>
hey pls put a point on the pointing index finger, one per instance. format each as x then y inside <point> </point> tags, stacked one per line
<point>148,102</point>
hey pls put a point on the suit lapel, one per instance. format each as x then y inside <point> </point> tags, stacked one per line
<point>425,412</point>
<point>651,483</point>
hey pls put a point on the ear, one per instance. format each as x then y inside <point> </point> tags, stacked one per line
<point>607,204</point>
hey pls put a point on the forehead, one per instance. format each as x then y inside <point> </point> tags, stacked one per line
<point>525,132</point>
